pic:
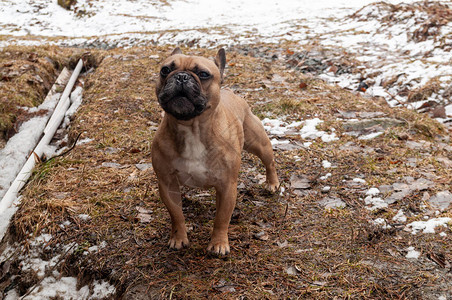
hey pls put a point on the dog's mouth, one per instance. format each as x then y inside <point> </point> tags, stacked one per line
<point>184,102</point>
<point>182,108</point>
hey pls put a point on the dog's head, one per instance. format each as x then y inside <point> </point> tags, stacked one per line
<point>189,85</point>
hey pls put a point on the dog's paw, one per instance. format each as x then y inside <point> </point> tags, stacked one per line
<point>219,247</point>
<point>178,243</point>
<point>272,187</point>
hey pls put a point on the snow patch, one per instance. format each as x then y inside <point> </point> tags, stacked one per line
<point>428,226</point>
<point>326,164</point>
<point>309,130</point>
<point>411,253</point>
<point>382,222</point>
<point>399,217</point>
<point>373,191</point>
<point>359,180</point>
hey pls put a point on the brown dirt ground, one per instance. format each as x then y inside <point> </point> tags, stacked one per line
<point>332,253</point>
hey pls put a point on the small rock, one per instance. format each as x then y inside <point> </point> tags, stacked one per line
<point>399,186</point>
<point>112,165</point>
<point>143,167</point>
<point>282,244</point>
<point>320,283</point>
<point>445,162</point>
<point>277,78</point>
<point>421,184</point>
<point>224,287</point>
<point>262,235</point>
<point>326,189</point>
<point>332,202</point>
<point>365,124</point>
<point>111,150</point>
<point>301,193</point>
<point>292,270</point>
<point>300,182</point>
<point>347,114</point>
<point>421,145</point>
<point>441,200</point>
<point>287,146</point>
<point>397,196</point>
<point>425,196</point>
<point>385,188</point>
<point>370,114</point>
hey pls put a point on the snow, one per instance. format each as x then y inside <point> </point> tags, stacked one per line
<point>375,202</point>
<point>102,289</point>
<point>84,141</point>
<point>325,177</point>
<point>428,226</point>
<point>382,222</point>
<point>15,153</point>
<point>411,253</point>
<point>7,215</point>
<point>373,191</point>
<point>51,284</point>
<point>400,217</point>
<point>309,131</point>
<point>269,18</point>
<point>359,180</point>
<point>84,217</point>
<point>326,164</point>
<point>449,110</point>
<point>370,135</point>
<point>65,287</point>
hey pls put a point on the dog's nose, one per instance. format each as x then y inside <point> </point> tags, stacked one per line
<point>182,77</point>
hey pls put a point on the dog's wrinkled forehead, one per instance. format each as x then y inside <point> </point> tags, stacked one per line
<point>195,64</point>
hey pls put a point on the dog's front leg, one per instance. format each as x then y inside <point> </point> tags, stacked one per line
<point>225,202</point>
<point>170,194</point>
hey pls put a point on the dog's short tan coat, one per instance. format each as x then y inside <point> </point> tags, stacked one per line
<point>200,140</point>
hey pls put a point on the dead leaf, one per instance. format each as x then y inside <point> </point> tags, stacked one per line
<point>135,150</point>
<point>303,85</point>
<point>333,69</point>
<point>439,112</point>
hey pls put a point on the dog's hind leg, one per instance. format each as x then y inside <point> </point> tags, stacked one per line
<point>258,143</point>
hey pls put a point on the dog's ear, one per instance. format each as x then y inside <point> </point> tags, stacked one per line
<point>176,51</point>
<point>220,61</point>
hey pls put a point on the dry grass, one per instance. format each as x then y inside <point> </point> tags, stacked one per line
<point>335,253</point>
<point>26,75</point>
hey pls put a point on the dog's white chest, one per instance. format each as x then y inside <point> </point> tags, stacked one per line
<point>191,166</point>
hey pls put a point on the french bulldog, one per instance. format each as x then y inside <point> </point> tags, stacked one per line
<point>200,140</point>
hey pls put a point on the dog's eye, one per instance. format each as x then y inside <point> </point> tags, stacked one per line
<point>165,71</point>
<point>204,75</point>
